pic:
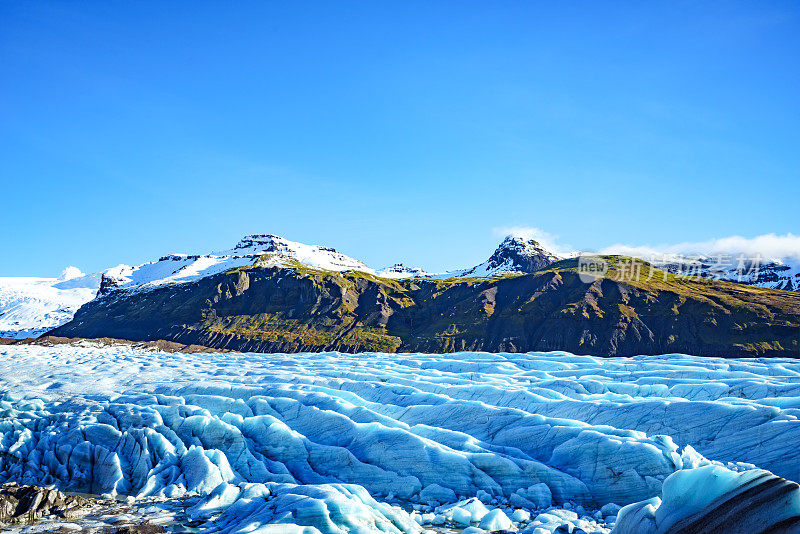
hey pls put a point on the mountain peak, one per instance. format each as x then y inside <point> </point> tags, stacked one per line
<point>519,254</point>
<point>514,254</point>
<point>257,240</point>
<point>272,243</point>
<point>312,255</point>
<point>517,242</point>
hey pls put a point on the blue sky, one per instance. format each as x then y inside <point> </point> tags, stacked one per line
<point>393,131</point>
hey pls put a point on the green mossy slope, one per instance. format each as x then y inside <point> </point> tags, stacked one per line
<point>274,309</point>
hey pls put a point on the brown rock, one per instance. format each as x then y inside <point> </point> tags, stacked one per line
<point>25,504</point>
<point>141,528</point>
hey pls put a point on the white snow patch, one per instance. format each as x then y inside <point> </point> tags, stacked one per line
<point>31,306</point>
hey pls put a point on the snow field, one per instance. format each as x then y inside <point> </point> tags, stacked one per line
<point>31,306</point>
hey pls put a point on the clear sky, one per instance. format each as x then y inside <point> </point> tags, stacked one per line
<point>392,131</point>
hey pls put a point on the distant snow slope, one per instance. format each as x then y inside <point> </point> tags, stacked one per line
<point>31,306</point>
<point>773,273</point>
<point>336,441</point>
<point>398,270</point>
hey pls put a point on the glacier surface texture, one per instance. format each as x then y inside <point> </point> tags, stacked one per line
<point>337,443</point>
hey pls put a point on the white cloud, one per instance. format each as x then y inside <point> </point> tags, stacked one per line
<point>69,273</point>
<point>768,246</point>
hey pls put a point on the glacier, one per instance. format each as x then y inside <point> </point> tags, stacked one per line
<point>31,306</point>
<point>372,442</point>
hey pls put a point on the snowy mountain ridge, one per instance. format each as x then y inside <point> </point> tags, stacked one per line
<point>31,306</point>
<point>514,254</point>
<point>264,249</point>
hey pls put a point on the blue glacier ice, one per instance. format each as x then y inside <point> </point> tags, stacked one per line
<point>393,442</point>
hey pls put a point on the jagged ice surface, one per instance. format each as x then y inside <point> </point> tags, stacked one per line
<point>327,441</point>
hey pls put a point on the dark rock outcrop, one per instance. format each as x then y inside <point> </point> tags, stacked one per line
<point>763,504</point>
<point>141,528</point>
<point>750,508</point>
<point>26,504</point>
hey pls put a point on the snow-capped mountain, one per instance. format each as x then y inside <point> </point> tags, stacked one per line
<point>515,254</point>
<point>31,306</point>
<point>311,255</point>
<point>772,273</point>
<point>264,249</point>
<point>778,274</point>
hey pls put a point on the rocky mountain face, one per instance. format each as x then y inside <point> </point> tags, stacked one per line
<point>271,294</point>
<point>272,308</point>
<point>515,254</point>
